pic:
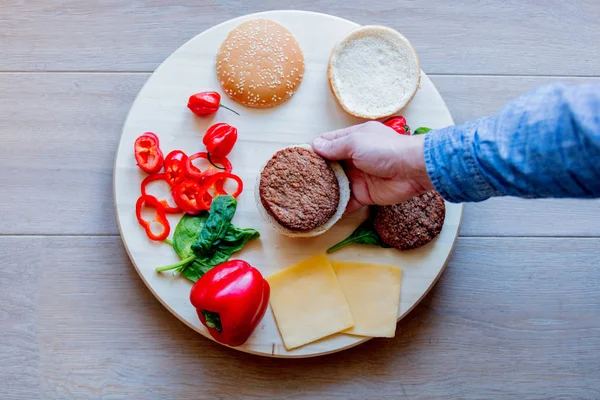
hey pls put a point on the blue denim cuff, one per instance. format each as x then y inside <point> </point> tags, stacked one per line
<point>452,164</point>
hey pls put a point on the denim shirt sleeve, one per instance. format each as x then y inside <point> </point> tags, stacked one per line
<point>545,143</point>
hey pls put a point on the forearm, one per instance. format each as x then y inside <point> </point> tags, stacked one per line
<point>543,144</point>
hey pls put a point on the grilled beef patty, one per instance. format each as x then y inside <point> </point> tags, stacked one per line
<point>413,223</point>
<point>299,189</point>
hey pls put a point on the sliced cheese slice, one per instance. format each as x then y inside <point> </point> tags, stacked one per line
<point>308,302</point>
<point>373,293</point>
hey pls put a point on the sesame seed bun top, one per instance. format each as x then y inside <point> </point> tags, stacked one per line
<point>260,64</point>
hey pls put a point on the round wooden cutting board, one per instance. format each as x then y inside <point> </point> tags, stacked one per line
<point>160,107</point>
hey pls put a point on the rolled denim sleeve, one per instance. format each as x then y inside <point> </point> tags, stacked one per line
<point>545,143</point>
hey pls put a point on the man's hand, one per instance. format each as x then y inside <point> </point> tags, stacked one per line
<point>383,167</point>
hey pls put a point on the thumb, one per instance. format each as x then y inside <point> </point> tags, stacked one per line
<point>335,149</point>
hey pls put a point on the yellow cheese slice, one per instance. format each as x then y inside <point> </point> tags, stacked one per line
<point>373,293</point>
<point>308,302</point>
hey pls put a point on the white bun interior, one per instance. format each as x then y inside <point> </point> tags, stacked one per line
<point>373,72</point>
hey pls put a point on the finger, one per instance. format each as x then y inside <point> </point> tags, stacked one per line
<point>352,206</point>
<point>336,149</point>
<point>340,132</point>
<point>358,184</point>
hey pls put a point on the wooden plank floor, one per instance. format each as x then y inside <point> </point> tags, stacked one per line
<point>515,315</point>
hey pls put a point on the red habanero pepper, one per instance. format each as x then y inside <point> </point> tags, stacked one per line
<point>206,103</point>
<point>231,300</point>
<point>398,124</point>
<point>189,196</point>
<point>147,153</point>
<point>158,177</point>
<point>175,167</point>
<point>161,217</point>
<point>195,173</point>
<point>219,139</point>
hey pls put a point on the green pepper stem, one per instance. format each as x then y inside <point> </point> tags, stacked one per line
<point>176,265</point>
<point>213,320</point>
<point>227,108</point>
<point>213,164</point>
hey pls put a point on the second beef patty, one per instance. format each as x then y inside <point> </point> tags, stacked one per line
<point>299,189</point>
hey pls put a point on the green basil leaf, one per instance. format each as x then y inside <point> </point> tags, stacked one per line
<point>195,270</point>
<point>364,234</point>
<point>233,241</point>
<point>208,239</point>
<point>219,218</point>
<point>187,232</point>
<point>421,130</point>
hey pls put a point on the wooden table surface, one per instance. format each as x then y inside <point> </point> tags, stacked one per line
<point>516,314</point>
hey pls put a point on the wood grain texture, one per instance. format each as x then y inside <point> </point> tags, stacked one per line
<point>58,139</point>
<point>466,36</point>
<point>80,117</point>
<point>510,318</point>
<point>19,347</point>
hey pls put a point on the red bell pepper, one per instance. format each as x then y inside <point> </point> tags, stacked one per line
<point>231,299</point>
<point>161,218</point>
<point>147,153</point>
<point>206,103</point>
<point>398,124</point>
<point>219,139</point>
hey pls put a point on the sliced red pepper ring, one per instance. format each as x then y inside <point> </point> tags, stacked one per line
<point>148,155</point>
<point>219,180</point>
<point>157,177</point>
<point>161,217</point>
<point>189,196</point>
<point>175,167</point>
<point>195,173</point>
<point>206,200</point>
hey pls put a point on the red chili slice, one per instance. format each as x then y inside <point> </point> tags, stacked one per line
<point>207,199</point>
<point>148,155</point>
<point>175,167</point>
<point>219,179</point>
<point>161,217</point>
<point>198,175</point>
<point>189,196</point>
<point>157,177</point>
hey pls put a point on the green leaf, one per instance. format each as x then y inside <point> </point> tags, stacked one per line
<point>219,218</point>
<point>187,232</point>
<point>234,240</point>
<point>195,270</point>
<point>213,320</point>
<point>178,265</point>
<point>364,234</point>
<point>421,130</point>
<point>208,239</point>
